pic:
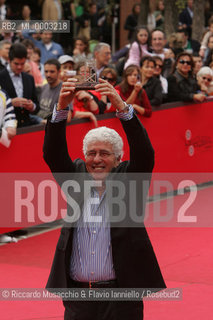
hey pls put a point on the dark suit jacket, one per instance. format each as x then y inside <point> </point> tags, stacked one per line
<point>154,91</point>
<point>1,66</point>
<point>134,260</point>
<point>29,92</point>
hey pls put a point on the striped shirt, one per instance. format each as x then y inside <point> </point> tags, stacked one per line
<point>91,258</point>
<point>7,114</point>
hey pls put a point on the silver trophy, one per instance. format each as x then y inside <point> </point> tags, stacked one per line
<point>87,78</point>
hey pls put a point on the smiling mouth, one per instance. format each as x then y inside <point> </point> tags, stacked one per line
<point>97,169</point>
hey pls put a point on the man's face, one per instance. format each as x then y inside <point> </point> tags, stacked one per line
<point>2,2</point>
<point>158,41</point>
<point>93,9</point>
<point>17,65</point>
<point>103,56</point>
<point>51,74</point>
<point>190,3</point>
<point>4,52</point>
<point>46,37</point>
<point>67,66</point>
<point>100,159</point>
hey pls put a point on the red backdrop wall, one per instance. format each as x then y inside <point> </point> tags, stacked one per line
<point>182,137</point>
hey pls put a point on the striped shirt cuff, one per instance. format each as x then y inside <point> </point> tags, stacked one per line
<point>126,115</point>
<point>59,115</point>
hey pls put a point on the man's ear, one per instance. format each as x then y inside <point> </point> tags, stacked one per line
<point>118,160</point>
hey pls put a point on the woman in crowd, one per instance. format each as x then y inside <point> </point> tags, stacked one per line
<point>31,66</point>
<point>182,86</point>
<point>139,47</point>
<point>205,79</point>
<point>159,15</point>
<point>150,83</point>
<point>81,49</point>
<point>130,90</point>
<point>36,57</point>
<point>111,76</point>
<point>132,20</point>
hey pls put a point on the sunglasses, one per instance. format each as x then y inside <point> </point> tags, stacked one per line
<point>185,62</point>
<point>207,79</point>
<point>108,79</point>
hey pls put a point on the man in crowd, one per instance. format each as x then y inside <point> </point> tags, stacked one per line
<point>158,41</point>
<point>208,50</point>
<point>96,254</point>
<point>20,86</point>
<point>50,92</point>
<point>189,45</point>
<point>198,62</point>
<point>186,16</point>
<point>102,55</point>
<point>67,64</point>
<point>4,53</point>
<point>49,48</point>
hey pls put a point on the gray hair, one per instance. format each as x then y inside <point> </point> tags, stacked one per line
<point>3,42</point>
<point>204,71</point>
<point>99,46</point>
<point>106,135</point>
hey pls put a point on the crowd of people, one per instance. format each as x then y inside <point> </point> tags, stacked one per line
<point>147,72</point>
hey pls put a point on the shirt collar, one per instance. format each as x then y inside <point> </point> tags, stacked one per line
<point>11,73</point>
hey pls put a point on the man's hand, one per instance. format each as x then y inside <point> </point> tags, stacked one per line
<point>28,105</point>
<point>199,97</point>
<point>23,102</point>
<point>66,94</point>
<point>19,102</point>
<point>105,88</point>
<point>11,132</point>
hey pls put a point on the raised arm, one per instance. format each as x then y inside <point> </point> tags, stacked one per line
<point>141,151</point>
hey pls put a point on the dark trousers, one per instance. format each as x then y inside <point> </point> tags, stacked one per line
<point>103,310</point>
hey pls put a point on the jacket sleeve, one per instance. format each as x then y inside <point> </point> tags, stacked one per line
<point>157,94</point>
<point>55,150</point>
<point>140,147</point>
<point>34,97</point>
<point>146,104</point>
<point>134,55</point>
<point>175,93</point>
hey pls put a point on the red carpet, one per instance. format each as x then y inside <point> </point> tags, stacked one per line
<point>185,256</point>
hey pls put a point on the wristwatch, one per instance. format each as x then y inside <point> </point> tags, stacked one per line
<point>125,109</point>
